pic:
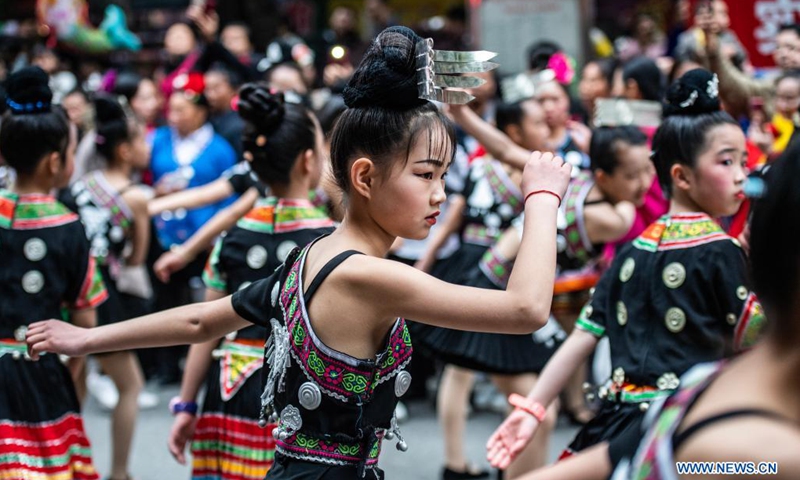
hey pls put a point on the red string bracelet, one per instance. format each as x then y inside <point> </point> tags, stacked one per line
<point>543,191</point>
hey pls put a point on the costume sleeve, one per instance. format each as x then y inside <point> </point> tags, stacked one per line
<point>593,316</point>
<point>88,289</point>
<point>258,303</point>
<point>212,276</point>
<point>738,306</point>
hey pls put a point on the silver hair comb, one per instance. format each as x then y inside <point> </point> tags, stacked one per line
<point>524,85</point>
<point>613,112</point>
<point>438,70</point>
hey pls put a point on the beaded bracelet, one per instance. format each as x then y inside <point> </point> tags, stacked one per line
<point>528,405</point>
<point>543,191</point>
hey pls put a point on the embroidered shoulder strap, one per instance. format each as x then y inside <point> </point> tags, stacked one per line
<point>325,271</point>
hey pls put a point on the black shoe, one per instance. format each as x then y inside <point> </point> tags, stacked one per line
<point>468,474</point>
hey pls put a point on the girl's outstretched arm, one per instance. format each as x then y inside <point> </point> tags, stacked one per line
<point>203,195</point>
<point>518,429</point>
<point>195,323</point>
<point>590,464</point>
<point>174,260</point>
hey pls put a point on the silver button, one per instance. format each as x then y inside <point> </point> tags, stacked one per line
<point>675,319</point>
<point>741,292</point>
<point>668,381</point>
<point>622,313</point>
<point>33,282</point>
<point>626,272</point>
<point>34,249</point>
<point>731,318</point>
<point>284,249</point>
<point>618,376</point>
<point>256,257</point>
<point>20,333</point>
<point>674,275</point>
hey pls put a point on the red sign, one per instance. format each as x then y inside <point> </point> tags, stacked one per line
<point>757,22</point>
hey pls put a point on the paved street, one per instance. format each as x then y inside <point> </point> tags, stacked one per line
<point>152,461</point>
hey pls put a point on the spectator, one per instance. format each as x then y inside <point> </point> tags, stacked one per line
<point>736,88</point>
<point>221,87</point>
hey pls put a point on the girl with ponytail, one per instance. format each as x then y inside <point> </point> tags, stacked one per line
<point>283,145</point>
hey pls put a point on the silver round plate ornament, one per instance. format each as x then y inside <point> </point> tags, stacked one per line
<point>309,395</point>
<point>402,383</point>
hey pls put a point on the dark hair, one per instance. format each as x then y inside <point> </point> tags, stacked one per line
<point>508,114</point>
<point>78,91</point>
<point>790,27</point>
<point>113,126</point>
<point>275,132</point>
<point>241,25</point>
<point>774,253</point>
<point>539,54</point>
<point>127,84</point>
<point>330,112</point>
<point>385,115</point>
<point>692,109</point>
<point>647,75</point>
<point>607,68</point>
<point>605,144</point>
<point>793,74</point>
<point>32,127</point>
<point>233,78</point>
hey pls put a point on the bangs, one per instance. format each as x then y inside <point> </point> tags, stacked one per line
<point>441,136</point>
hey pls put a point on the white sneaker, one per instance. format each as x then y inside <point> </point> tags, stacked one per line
<point>147,400</point>
<point>401,412</point>
<point>102,388</point>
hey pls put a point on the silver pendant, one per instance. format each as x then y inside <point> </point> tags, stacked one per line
<point>290,423</point>
<point>309,395</point>
<point>274,295</point>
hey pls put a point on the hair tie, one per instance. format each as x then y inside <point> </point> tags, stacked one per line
<point>99,139</point>
<point>32,107</point>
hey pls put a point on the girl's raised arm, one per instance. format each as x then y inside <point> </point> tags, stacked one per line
<point>522,308</point>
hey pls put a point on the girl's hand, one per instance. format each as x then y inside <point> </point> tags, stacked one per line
<point>544,171</point>
<point>169,263</point>
<point>56,336</point>
<point>510,438</point>
<point>182,431</point>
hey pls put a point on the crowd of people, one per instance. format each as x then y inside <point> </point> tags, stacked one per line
<point>538,231</point>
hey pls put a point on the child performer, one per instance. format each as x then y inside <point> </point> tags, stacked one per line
<point>674,297</point>
<point>46,264</point>
<point>114,213</point>
<point>284,144</point>
<point>747,409</point>
<point>336,350</point>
